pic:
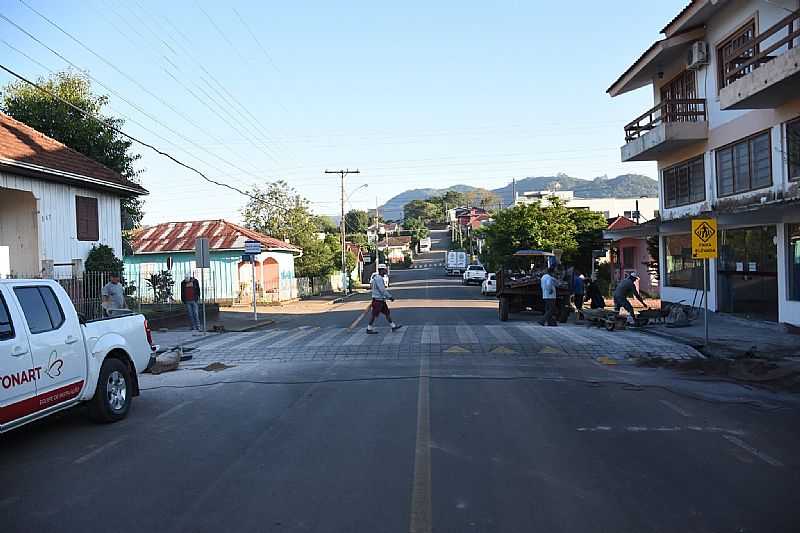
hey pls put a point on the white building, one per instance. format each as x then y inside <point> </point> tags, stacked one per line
<point>55,204</point>
<point>610,207</point>
<point>725,133</point>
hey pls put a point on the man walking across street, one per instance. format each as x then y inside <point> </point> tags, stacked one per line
<point>549,296</point>
<point>625,289</point>
<point>190,296</point>
<point>379,296</point>
<point>113,295</point>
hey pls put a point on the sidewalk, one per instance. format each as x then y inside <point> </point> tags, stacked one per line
<point>733,337</point>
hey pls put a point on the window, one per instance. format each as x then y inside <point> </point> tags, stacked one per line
<point>627,257</point>
<point>728,61</point>
<point>793,256</point>
<point>793,149</point>
<point>627,214</point>
<point>86,219</point>
<point>682,270</point>
<point>684,183</point>
<point>745,165</point>
<point>6,327</point>
<point>40,307</point>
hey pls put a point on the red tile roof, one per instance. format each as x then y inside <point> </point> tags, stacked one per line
<point>25,150</point>
<point>221,234</point>
<point>621,223</point>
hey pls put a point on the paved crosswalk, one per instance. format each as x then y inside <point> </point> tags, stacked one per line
<point>427,265</point>
<point>523,339</point>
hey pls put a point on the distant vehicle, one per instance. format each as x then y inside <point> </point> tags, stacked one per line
<point>52,359</point>
<point>474,274</point>
<point>456,263</point>
<point>425,245</point>
<point>489,285</point>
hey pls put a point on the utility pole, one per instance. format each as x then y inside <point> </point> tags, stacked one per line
<point>343,173</point>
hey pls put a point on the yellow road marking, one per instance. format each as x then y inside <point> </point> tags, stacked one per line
<point>420,521</point>
<point>606,360</point>
<point>360,317</point>
<point>456,349</point>
<point>502,349</point>
<point>550,349</point>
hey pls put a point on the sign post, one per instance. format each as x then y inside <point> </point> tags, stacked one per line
<point>253,248</point>
<point>704,246</point>
<point>202,261</point>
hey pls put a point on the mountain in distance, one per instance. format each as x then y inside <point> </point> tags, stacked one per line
<point>624,186</point>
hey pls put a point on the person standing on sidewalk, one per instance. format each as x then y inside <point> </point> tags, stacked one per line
<point>549,296</point>
<point>190,296</point>
<point>379,296</point>
<point>113,295</point>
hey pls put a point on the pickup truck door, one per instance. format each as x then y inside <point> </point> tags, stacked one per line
<point>17,372</point>
<point>56,343</point>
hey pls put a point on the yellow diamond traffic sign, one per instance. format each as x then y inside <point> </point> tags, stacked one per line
<point>704,238</point>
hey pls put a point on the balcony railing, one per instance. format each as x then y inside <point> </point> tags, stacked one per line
<point>750,56</point>
<point>686,110</point>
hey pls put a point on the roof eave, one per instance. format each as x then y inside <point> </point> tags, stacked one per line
<point>37,171</point>
<point>633,77</point>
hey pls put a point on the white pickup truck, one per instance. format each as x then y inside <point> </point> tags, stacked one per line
<point>51,359</point>
<point>474,274</point>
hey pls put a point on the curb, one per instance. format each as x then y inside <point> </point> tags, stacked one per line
<point>678,340</point>
<point>259,325</point>
<point>340,299</point>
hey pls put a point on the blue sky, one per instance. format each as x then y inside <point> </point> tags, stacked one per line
<point>423,94</point>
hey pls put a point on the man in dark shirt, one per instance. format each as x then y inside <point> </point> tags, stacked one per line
<point>190,296</point>
<point>625,289</point>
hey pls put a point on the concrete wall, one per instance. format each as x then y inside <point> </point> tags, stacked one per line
<point>57,228</point>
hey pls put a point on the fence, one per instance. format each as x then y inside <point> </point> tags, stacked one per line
<point>317,286</point>
<point>85,291</point>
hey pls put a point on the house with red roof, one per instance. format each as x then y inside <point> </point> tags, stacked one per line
<point>630,253</point>
<point>229,280</point>
<point>55,204</point>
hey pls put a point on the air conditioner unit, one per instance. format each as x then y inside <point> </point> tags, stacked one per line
<point>697,56</point>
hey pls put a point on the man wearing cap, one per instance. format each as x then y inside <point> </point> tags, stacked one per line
<point>113,295</point>
<point>626,289</point>
<point>379,296</point>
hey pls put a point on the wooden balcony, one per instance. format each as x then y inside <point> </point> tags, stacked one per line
<point>669,125</point>
<point>764,72</point>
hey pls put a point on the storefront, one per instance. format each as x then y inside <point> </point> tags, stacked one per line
<point>747,272</point>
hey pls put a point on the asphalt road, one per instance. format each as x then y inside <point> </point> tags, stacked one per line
<point>322,432</point>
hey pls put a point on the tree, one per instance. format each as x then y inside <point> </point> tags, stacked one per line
<point>589,226</point>
<point>482,198</point>
<point>85,135</point>
<point>101,258</point>
<point>417,229</point>
<point>528,227</point>
<point>277,210</point>
<point>356,221</point>
<point>424,210</point>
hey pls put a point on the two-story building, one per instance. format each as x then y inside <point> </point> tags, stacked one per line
<point>725,133</point>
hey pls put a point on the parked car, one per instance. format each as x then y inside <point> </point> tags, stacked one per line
<point>52,359</point>
<point>489,285</point>
<point>473,274</point>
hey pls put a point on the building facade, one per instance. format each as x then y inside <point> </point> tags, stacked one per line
<point>725,134</point>
<point>611,208</point>
<point>55,204</point>
<point>229,280</point>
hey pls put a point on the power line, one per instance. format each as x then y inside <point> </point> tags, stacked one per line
<point>114,67</point>
<point>139,141</point>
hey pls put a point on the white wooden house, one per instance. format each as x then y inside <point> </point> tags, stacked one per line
<point>55,203</point>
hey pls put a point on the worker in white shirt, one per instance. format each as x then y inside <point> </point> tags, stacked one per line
<point>549,296</point>
<point>379,297</point>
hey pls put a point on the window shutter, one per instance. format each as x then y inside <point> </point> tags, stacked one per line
<point>86,218</point>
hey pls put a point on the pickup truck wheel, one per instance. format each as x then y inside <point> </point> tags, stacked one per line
<point>112,398</point>
<point>503,309</point>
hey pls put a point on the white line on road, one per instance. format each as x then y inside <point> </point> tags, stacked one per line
<point>500,333</point>
<point>225,338</point>
<point>430,335</point>
<point>326,337</point>
<point>675,408</point>
<point>421,514</point>
<point>97,451</point>
<point>294,337</point>
<point>356,339</point>
<point>466,335</point>
<point>662,429</point>
<point>761,455</point>
<point>395,337</point>
<point>261,337</point>
<point>173,409</point>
